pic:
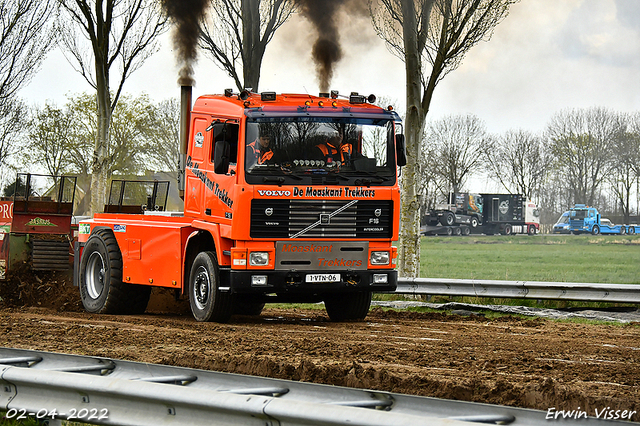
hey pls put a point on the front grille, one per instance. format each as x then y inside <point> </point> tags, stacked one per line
<point>286,218</point>
<point>576,223</point>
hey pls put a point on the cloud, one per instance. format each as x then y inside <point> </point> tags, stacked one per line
<point>604,32</point>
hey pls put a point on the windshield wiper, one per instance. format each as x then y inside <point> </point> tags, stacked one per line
<point>375,175</point>
<point>277,179</point>
<point>334,176</point>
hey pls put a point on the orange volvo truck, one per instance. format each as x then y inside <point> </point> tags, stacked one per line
<point>287,198</point>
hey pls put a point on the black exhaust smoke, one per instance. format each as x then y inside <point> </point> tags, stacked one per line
<point>186,16</point>
<point>326,50</point>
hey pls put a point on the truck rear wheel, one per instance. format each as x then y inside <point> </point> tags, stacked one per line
<point>207,302</point>
<point>448,219</point>
<point>101,288</point>
<point>632,230</point>
<point>348,307</point>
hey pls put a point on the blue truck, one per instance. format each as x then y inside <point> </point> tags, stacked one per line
<point>586,220</point>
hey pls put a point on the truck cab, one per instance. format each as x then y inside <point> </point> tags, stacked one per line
<point>287,198</point>
<point>584,219</point>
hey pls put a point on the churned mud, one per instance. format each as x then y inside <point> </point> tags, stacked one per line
<point>531,363</point>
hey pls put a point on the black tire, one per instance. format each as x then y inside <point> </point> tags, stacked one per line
<point>531,230</point>
<point>348,306</point>
<point>247,307</point>
<point>632,230</point>
<point>507,229</point>
<point>474,222</point>
<point>457,231</point>
<point>139,296</point>
<point>449,231</point>
<point>466,231</point>
<point>101,288</point>
<point>623,230</point>
<point>595,230</point>
<point>207,302</point>
<point>448,219</point>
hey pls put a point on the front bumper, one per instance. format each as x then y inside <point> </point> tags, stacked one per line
<point>293,283</point>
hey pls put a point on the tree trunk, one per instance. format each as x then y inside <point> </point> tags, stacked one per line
<point>409,241</point>
<point>100,166</point>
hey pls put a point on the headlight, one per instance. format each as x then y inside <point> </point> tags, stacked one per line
<point>379,258</point>
<point>259,258</point>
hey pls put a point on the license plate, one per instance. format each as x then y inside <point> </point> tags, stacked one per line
<point>323,278</point>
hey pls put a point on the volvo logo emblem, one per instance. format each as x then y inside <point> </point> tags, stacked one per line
<point>268,211</point>
<point>377,212</point>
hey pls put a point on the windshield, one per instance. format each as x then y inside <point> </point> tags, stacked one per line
<point>563,219</point>
<point>345,151</point>
<point>578,214</point>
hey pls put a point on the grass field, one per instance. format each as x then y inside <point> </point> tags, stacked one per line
<point>566,258</point>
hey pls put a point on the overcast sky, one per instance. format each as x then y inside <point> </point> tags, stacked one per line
<point>547,55</point>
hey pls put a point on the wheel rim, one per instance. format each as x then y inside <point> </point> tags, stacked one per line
<point>95,275</point>
<point>201,288</point>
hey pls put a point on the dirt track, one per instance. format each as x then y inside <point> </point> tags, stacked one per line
<point>508,361</point>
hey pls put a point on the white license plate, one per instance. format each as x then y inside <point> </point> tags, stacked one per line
<point>323,278</point>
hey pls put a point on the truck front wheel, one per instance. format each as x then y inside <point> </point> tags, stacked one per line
<point>207,302</point>
<point>595,230</point>
<point>348,307</point>
<point>101,288</point>
<point>473,222</point>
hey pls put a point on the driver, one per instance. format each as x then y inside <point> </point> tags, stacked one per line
<point>334,149</point>
<point>260,149</point>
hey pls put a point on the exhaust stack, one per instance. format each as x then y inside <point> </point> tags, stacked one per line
<point>185,119</point>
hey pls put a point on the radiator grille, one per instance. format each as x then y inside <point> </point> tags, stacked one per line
<point>286,218</point>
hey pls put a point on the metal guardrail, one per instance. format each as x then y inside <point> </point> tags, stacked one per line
<point>112,392</point>
<point>615,293</point>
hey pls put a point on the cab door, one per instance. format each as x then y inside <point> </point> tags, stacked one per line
<point>196,176</point>
<point>220,197</point>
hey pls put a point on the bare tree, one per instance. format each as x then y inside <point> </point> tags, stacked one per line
<point>431,37</point>
<point>13,120</point>
<point>624,175</point>
<point>236,37</point>
<point>49,139</point>
<point>518,160</point>
<point>456,142</point>
<point>582,142</point>
<point>162,133</point>
<point>26,35</point>
<point>121,35</point>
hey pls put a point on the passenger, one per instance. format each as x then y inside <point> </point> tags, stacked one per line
<point>260,149</point>
<point>334,149</point>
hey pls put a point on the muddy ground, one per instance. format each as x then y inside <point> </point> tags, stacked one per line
<point>531,363</point>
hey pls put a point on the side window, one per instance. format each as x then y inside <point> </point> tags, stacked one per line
<point>228,132</point>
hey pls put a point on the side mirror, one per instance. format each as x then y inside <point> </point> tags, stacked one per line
<point>401,150</point>
<point>221,154</point>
